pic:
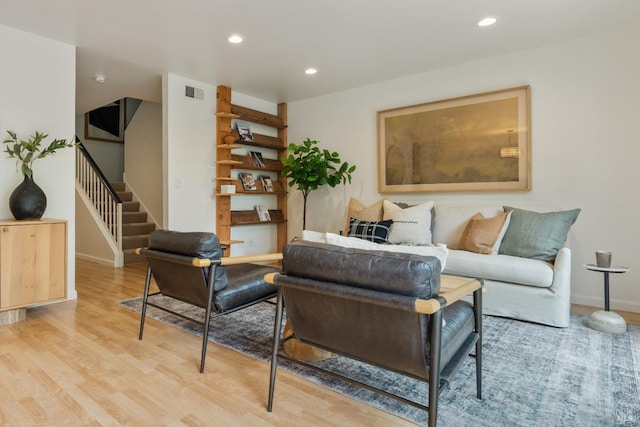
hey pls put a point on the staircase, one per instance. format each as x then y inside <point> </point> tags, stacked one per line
<point>135,228</point>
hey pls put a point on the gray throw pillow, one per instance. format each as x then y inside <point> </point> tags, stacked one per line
<point>537,235</point>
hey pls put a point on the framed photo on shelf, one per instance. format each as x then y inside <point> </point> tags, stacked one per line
<point>267,183</point>
<point>248,182</point>
<point>479,142</point>
<point>244,131</point>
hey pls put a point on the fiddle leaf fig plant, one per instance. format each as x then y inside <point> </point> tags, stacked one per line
<point>27,152</point>
<point>308,167</point>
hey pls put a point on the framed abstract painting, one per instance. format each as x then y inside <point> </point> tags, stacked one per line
<point>478,142</point>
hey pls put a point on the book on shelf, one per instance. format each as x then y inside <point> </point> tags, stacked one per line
<point>244,131</point>
<point>267,183</point>
<point>248,182</point>
<point>256,159</point>
<point>263,213</point>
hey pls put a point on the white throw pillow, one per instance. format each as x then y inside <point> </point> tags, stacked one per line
<point>313,236</point>
<point>496,245</point>
<point>410,225</point>
<point>441,252</point>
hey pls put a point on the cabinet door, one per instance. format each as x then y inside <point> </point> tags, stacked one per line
<point>32,264</point>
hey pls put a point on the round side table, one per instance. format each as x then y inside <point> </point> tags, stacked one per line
<point>606,320</point>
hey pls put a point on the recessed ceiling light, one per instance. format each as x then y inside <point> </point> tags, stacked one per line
<point>487,22</point>
<point>235,39</point>
<point>311,71</point>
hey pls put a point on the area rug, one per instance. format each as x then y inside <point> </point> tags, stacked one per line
<point>533,375</point>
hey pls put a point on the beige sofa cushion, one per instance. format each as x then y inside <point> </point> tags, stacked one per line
<point>502,268</point>
<point>484,235</point>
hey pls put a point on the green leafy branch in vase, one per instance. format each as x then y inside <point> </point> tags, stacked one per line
<point>27,152</point>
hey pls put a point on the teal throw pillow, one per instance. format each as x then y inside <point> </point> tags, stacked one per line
<point>537,235</point>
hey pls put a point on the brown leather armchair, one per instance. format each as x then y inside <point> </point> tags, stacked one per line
<point>381,308</point>
<point>190,267</point>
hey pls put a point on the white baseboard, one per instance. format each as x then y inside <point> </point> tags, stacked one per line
<point>615,304</point>
<point>104,261</point>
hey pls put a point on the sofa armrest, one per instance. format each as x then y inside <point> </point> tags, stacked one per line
<point>561,287</point>
<point>562,273</point>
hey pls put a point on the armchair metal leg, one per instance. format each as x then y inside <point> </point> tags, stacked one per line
<point>477,307</point>
<point>147,284</point>
<point>207,317</point>
<point>277,330</point>
<point>434,365</point>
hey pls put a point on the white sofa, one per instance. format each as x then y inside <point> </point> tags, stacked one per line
<point>517,287</point>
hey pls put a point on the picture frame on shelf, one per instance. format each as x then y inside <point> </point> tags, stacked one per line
<point>267,183</point>
<point>244,131</point>
<point>248,182</point>
<point>479,142</point>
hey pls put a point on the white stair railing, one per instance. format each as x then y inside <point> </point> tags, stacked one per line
<point>103,197</point>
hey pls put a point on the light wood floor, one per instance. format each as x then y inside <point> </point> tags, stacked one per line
<point>80,363</point>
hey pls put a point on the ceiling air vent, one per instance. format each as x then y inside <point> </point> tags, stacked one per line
<point>193,92</point>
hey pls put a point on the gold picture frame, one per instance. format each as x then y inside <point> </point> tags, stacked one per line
<point>479,142</point>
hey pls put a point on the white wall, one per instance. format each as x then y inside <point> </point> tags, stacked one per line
<point>143,158</point>
<point>585,150</point>
<point>188,145</point>
<point>37,93</point>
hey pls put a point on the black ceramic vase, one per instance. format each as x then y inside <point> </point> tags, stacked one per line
<point>27,201</point>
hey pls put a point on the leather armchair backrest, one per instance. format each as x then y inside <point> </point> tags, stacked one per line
<point>184,282</point>
<point>404,274</point>
<point>356,302</point>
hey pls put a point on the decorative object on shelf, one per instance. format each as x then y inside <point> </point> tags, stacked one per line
<point>267,183</point>
<point>244,131</point>
<point>248,183</point>
<point>424,148</point>
<point>308,168</point>
<point>263,213</point>
<point>228,189</point>
<point>28,201</point>
<point>229,139</point>
<point>256,159</point>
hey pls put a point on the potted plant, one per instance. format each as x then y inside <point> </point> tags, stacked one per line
<point>28,201</point>
<point>308,168</point>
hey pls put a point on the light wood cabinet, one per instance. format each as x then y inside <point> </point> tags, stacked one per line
<point>33,262</point>
<point>229,140</point>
